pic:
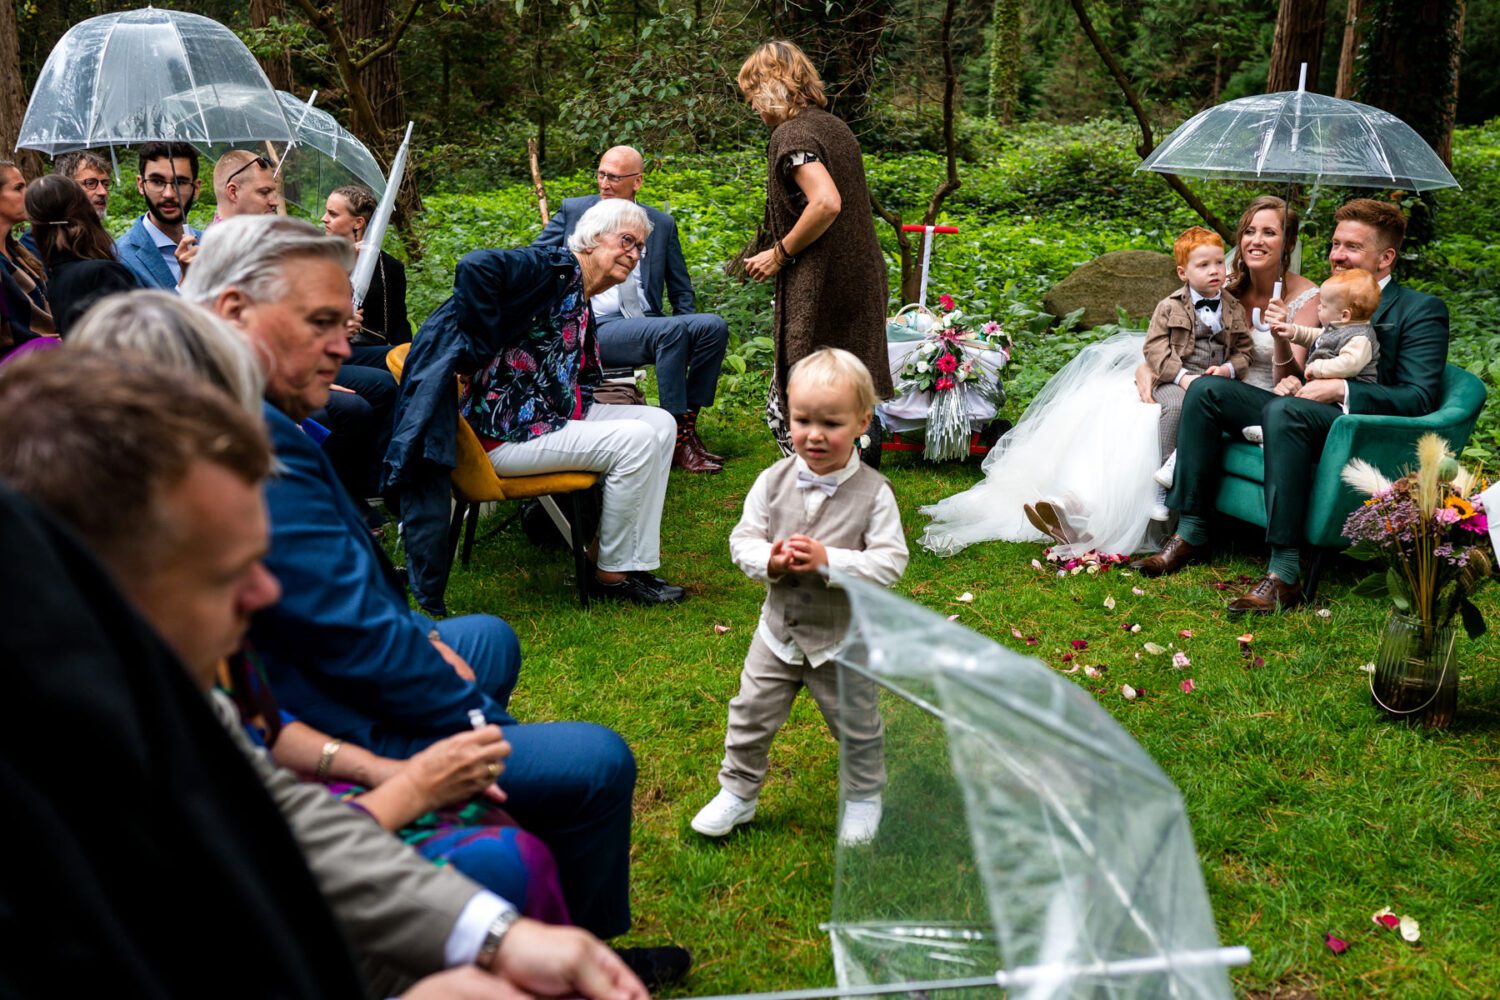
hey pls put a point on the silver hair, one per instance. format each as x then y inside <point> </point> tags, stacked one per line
<point>252,252</point>
<point>180,335</point>
<point>609,215</point>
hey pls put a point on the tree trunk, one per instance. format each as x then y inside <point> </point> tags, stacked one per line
<point>13,95</point>
<point>278,66</point>
<point>367,23</point>
<point>1005,61</point>
<point>1299,39</point>
<point>1344,88</point>
<point>1409,64</point>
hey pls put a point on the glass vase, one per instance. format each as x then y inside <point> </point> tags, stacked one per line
<point>1416,678</point>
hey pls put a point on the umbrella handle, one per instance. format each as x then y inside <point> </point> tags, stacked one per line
<point>1255,313</point>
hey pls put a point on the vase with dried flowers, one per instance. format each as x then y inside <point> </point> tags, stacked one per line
<point>1430,529</point>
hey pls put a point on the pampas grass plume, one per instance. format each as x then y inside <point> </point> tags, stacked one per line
<point>1431,450</point>
<point>1365,478</point>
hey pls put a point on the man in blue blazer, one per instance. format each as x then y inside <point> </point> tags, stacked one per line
<point>1412,329</point>
<point>161,245</point>
<point>342,649</point>
<point>686,347</point>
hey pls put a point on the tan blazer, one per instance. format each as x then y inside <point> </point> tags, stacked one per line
<point>1169,339</point>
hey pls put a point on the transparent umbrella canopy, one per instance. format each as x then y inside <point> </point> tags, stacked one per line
<point>1299,137</point>
<point>147,75</point>
<point>325,150</point>
<point>1028,843</point>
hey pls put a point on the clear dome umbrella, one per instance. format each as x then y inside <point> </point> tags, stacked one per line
<point>138,76</point>
<point>323,152</point>
<point>1028,843</point>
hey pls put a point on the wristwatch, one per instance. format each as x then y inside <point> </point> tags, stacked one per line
<point>491,943</point>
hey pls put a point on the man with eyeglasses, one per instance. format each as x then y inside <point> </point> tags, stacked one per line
<point>161,244</point>
<point>91,171</point>
<point>244,184</point>
<point>686,347</point>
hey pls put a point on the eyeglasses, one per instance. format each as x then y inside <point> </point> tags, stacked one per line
<point>259,161</point>
<point>94,184</point>
<point>630,244</point>
<point>605,175</point>
<point>160,184</point>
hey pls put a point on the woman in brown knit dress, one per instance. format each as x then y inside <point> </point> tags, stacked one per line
<point>831,285</point>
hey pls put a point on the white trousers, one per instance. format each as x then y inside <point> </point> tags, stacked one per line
<point>632,447</point>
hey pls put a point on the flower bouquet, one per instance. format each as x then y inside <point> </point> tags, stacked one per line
<point>1431,530</point>
<point>948,363</point>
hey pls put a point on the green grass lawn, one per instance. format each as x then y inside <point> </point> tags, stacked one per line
<point>1310,810</point>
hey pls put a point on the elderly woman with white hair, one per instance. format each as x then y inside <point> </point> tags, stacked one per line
<point>519,326</point>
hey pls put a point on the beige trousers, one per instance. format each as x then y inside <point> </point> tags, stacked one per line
<point>768,685</point>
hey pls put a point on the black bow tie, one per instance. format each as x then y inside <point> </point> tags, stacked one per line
<point>1212,305</point>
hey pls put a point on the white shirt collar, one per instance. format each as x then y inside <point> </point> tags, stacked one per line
<point>1385,281</point>
<point>161,239</point>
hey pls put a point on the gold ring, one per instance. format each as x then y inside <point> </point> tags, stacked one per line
<point>494,770</point>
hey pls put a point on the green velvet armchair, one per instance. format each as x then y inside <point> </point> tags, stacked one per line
<point>1387,442</point>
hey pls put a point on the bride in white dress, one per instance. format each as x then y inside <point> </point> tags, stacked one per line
<point>1087,443</point>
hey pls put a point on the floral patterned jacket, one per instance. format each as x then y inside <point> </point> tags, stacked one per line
<point>543,378</point>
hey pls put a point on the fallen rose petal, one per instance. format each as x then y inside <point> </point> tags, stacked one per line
<point>1032,640</point>
<point>1187,686</point>
<point>1410,931</point>
<point>1137,591</point>
<point>721,629</point>
<point>1126,572</point>
<point>1135,628</point>
<point>1324,613</point>
<point>1066,657</point>
<point>1109,602</point>
<point>1073,669</point>
<point>1385,918</point>
<point>1092,672</point>
<point>1221,586</point>
<point>953,618</point>
<point>1036,564</point>
<point>1128,691</point>
<point>965,598</point>
<point>1186,633</point>
<point>1336,945</point>
<point>1257,662</point>
<point>1154,649</point>
<point>1180,660</point>
<point>1080,644</point>
<point>1246,639</point>
<point>1017,633</point>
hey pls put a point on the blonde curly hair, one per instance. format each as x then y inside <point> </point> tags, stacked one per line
<point>779,80</point>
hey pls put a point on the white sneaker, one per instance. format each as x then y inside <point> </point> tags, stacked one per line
<point>1254,434</point>
<point>1164,474</point>
<point>860,823</point>
<point>723,814</point>
<point>1159,510</point>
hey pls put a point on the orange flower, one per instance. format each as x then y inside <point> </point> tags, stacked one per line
<point>1464,508</point>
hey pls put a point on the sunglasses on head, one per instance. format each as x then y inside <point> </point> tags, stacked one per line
<point>259,161</point>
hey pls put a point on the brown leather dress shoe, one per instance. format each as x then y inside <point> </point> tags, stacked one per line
<point>1268,596</point>
<point>685,457</point>
<point>1174,555</point>
<point>696,443</point>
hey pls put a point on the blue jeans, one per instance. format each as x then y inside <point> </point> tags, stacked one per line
<point>569,783</point>
<point>687,350</point>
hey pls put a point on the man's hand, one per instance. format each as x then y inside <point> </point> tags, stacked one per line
<point>1145,382</point>
<point>564,961</point>
<point>763,265</point>
<point>458,663</point>
<point>186,251</point>
<point>1287,386</point>
<point>1323,390</point>
<point>780,563</point>
<point>806,554</point>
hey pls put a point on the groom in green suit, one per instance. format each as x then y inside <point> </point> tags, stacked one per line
<point>1413,332</point>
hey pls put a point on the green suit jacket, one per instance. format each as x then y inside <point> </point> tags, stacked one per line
<point>1412,328</point>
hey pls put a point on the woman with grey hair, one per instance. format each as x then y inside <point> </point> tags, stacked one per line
<point>532,403</point>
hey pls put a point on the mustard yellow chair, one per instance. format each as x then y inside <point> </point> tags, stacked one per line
<point>475,482</point>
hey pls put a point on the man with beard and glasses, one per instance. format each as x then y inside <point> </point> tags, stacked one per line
<point>161,245</point>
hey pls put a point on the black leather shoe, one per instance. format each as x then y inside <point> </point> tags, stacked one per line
<point>657,967</point>
<point>639,588</point>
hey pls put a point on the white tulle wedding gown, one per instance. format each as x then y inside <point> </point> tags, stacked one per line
<point>1086,442</point>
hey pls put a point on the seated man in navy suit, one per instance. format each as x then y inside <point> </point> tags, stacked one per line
<point>161,245</point>
<point>687,347</point>
<point>342,650</point>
